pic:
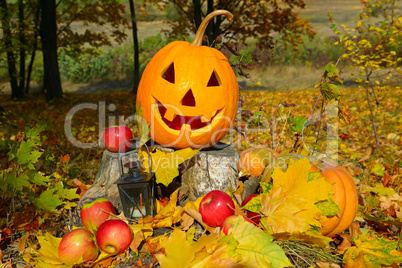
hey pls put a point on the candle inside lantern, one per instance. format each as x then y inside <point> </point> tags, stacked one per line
<point>136,213</point>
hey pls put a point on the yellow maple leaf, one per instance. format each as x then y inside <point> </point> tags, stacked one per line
<point>216,255</point>
<point>48,255</point>
<point>140,233</point>
<point>170,214</point>
<point>194,204</point>
<point>179,252</point>
<point>290,205</point>
<point>165,165</point>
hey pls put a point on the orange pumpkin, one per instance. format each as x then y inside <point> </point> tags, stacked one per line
<point>254,160</point>
<point>344,195</point>
<point>343,190</point>
<point>189,93</point>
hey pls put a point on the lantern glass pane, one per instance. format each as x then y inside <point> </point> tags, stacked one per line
<point>136,199</point>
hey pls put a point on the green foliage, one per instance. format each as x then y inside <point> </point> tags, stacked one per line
<point>85,68</point>
<point>171,12</point>
<point>23,181</point>
<point>296,123</point>
<point>115,63</point>
<point>148,48</point>
<point>373,45</point>
<point>316,52</point>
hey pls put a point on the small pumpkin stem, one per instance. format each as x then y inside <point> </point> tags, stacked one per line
<point>315,161</point>
<point>203,26</point>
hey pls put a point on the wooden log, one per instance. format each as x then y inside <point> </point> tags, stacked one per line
<point>250,186</point>
<point>103,186</point>
<point>214,168</point>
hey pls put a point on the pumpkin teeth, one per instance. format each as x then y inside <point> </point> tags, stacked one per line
<point>169,115</point>
<point>175,121</point>
<point>186,128</point>
<point>205,119</point>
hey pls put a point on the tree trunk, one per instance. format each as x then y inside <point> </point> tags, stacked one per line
<point>211,24</point>
<point>136,49</point>
<point>12,71</point>
<point>210,169</point>
<point>21,33</point>
<point>103,186</point>
<point>52,82</point>
<point>34,48</point>
<point>197,13</point>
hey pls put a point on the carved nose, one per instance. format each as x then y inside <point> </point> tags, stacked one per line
<point>188,99</point>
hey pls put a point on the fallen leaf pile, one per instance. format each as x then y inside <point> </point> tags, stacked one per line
<point>176,237</point>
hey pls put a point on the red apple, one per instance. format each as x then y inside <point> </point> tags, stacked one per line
<point>215,207</point>
<point>78,245</point>
<point>253,216</point>
<point>114,236</point>
<point>227,223</point>
<point>115,136</point>
<point>95,213</point>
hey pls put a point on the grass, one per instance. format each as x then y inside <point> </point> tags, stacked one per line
<point>279,78</point>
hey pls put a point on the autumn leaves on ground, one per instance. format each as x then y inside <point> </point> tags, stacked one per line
<point>376,174</point>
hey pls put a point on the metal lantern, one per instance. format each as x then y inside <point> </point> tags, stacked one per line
<point>136,188</point>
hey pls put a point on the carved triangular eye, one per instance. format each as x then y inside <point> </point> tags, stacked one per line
<point>214,80</point>
<point>188,99</point>
<point>168,73</point>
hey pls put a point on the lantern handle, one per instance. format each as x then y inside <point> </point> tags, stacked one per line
<point>149,156</point>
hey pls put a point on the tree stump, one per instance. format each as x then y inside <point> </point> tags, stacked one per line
<point>103,185</point>
<point>214,168</point>
<point>250,186</point>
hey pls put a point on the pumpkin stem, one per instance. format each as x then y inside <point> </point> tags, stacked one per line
<point>203,26</point>
<point>315,161</point>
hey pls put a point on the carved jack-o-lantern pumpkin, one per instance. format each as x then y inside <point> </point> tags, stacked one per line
<point>189,93</point>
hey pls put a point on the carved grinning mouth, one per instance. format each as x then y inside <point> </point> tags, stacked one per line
<point>178,121</point>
